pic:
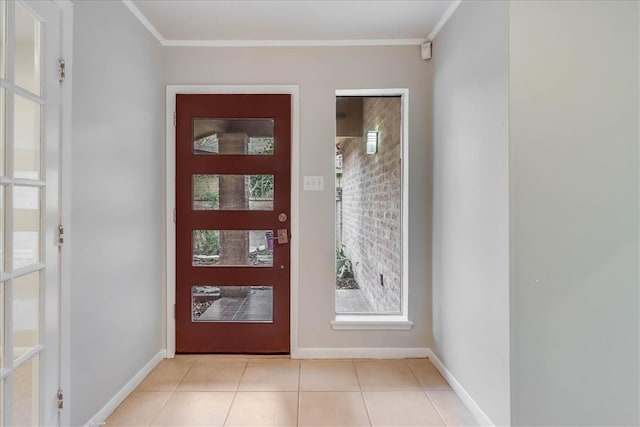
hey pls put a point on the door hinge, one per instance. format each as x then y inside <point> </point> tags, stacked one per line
<point>175,118</point>
<point>62,70</point>
<point>60,235</point>
<point>60,399</point>
<point>174,311</point>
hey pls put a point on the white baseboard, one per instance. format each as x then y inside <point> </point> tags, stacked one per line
<point>99,418</point>
<point>361,353</point>
<point>471,404</point>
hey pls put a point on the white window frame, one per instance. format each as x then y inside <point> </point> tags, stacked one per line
<point>383,321</point>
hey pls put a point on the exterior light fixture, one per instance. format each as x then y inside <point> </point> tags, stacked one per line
<point>372,142</point>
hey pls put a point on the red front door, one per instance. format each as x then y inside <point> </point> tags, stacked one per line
<point>233,181</point>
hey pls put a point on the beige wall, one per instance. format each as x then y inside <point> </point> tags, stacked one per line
<point>319,71</point>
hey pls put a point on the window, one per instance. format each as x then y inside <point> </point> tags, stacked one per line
<point>370,267</point>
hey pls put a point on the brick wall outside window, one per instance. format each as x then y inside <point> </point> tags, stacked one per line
<point>371,203</point>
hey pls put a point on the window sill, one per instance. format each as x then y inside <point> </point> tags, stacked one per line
<point>353,322</point>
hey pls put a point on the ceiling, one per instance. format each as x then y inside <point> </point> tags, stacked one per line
<point>292,22</point>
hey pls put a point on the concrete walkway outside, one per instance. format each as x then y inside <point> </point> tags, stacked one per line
<point>351,301</point>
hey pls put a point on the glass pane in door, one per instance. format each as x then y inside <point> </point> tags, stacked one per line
<point>27,50</point>
<point>3,127</point>
<point>3,385</point>
<point>26,226</point>
<point>233,136</point>
<point>213,303</point>
<point>27,139</point>
<point>233,192</point>
<point>2,257</point>
<point>25,394</point>
<point>2,334</point>
<point>29,89</point>
<point>26,317</point>
<point>252,248</point>
<point>3,39</point>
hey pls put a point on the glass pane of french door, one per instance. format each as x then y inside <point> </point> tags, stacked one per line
<point>29,122</point>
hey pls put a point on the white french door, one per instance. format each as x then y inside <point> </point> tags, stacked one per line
<point>29,212</point>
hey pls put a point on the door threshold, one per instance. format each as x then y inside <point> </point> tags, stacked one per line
<point>239,356</point>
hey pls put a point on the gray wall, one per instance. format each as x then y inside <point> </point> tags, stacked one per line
<point>574,212</point>
<point>116,203</point>
<point>471,202</point>
<point>320,71</point>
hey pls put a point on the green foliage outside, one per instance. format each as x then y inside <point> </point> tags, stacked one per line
<point>213,199</point>
<point>206,242</point>
<point>261,187</point>
<point>343,265</point>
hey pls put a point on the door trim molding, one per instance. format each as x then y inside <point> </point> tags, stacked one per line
<point>66,135</point>
<point>170,173</point>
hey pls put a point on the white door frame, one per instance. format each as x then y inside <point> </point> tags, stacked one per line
<point>66,45</point>
<point>50,349</point>
<point>170,186</point>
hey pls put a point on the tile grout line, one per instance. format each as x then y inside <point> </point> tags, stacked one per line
<point>422,387</point>
<point>160,410</point>
<point>353,363</point>
<point>235,394</point>
<point>364,401</point>
<point>435,406</point>
<point>171,393</point>
<point>299,383</point>
<point>185,375</point>
<point>425,391</point>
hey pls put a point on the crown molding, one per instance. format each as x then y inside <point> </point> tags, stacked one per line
<point>443,20</point>
<point>288,43</point>
<point>264,43</point>
<point>144,21</point>
<point>63,4</point>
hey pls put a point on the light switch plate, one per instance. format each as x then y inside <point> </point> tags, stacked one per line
<point>313,183</point>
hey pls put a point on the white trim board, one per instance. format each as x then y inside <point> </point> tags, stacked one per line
<point>363,353</point>
<point>99,418</point>
<point>170,182</point>
<point>289,43</point>
<point>144,21</point>
<point>352,323</point>
<point>443,20</point>
<point>466,398</point>
<point>66,134</point>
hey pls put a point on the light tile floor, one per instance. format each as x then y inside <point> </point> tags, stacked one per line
<point>277,391</point>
